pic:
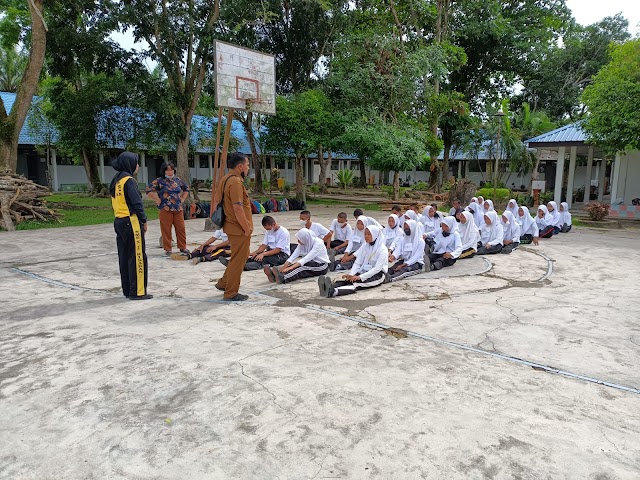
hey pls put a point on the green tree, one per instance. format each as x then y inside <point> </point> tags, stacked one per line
<point>612,100</point>
<point>27,26</point>
<point>12,66</point>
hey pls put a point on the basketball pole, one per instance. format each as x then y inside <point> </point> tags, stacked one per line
<point>227,137</point>
<point>216,162</point>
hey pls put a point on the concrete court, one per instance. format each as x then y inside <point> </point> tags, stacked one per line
<point>291,386</point>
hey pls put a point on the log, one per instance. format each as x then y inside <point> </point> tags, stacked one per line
<point>21,199</point>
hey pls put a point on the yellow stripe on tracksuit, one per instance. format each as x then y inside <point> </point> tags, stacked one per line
<point>121,210</point>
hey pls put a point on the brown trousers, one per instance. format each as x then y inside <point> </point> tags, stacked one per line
<point>170,219</point>
<point>240,248</point>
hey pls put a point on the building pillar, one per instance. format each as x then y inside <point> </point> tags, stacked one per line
<point>459,168</point>
<point>587,187</point>
<point>143,167</point>
<point>615,174</point>
<point>54,165</point>
<point>557,194</point>
<point>210,160</point>
<point>601,178</point>
<point>572,173</point>
<point>101,161</point>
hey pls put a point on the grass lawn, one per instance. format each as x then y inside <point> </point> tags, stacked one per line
<point>78,210</point>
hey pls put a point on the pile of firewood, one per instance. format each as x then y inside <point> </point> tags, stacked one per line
<point>21,199</point>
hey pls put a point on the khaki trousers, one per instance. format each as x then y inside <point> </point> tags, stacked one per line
<point>240,248</point>
<point>170,219</point>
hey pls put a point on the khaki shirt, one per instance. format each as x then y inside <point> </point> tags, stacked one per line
<point>235,193</point>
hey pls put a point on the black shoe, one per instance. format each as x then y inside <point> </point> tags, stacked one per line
<point>328,287</point>
<point>238,298</point>
<point>141,297</point>
<point>224,261</point>
<point>427,264</point>
<point>279,275</point>
<point>322,286</point>
<point>186,251</point>
<point>387,277</point>
<point>269,273</point>
<point>332,259</point>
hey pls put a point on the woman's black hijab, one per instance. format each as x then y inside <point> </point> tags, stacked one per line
<point>125,165</point>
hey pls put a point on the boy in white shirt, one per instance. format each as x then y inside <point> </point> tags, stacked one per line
<point>341,231</point>
<point>208,252</point>
<point>274,249</point>
<point>317,229</point>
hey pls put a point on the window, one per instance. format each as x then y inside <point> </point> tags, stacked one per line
<point>477,166</point>
<point>335,164</point>
<point>192,163</point>
<point>204,161</point>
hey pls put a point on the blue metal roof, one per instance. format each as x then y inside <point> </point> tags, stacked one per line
<point>569,133</point>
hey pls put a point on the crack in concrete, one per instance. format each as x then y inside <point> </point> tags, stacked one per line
<point>614,446</point>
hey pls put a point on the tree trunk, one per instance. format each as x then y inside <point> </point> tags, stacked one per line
<point>363,175</point>
<point>11,124</point>
<point>182,159</point>
<point>300,183</point>
<point>247,123</point>
<point>322,181</point>
<point>445,162</point>
<point>91,169</point>
<point>396,185</point>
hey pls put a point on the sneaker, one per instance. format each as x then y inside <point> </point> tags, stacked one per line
<point>239,297</point>
<point>278,274</point>
<point>141,297</point>
<point>224,261</point>
<point>179,256</point>
<point>332,259</point>
<point>197,260</point>
<point>185,251</point>
<point>322,286</point>
<point>387,277</point>
<point>331,292</point>
<point>269,273</point>
<point>168,253</point>
<point>339,266</point>
<point>218,287</point>
<point>427,264</point>
<point>328,287</point>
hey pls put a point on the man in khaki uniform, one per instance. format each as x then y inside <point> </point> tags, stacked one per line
<point>238,224</point>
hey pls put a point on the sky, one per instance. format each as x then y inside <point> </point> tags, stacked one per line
<point>587,12</point>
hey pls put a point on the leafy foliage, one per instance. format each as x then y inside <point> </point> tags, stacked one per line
<point>597,211</point>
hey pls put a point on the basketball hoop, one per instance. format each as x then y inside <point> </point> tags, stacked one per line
<point>250,102</point>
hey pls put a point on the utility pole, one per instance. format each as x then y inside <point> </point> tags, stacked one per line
<point>500,115</point>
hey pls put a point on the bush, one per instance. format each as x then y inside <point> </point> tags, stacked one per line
<point>345,178</point>
<point>546,197</point>
<point>422,186</point>
<point>503,195</point>
<point>524,199</point>
<point>597,211</point>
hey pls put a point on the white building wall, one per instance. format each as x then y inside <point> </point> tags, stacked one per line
<point>629,178</point>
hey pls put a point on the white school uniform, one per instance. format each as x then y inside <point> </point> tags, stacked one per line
<point>341,233</point>
<point>469,233</point>
<point>565,215</point>
<point>318,230</point>
<point>392,235</point>
<point>278,239</point>
<point>430,224</point>
<point>528,225</point>
<point>450,243</point>
<point>546,220</point>
<point>411,248</point>
<point>511,229</point>
<point>312,249</point>
<point>492,235</point>
<point>371,259</point>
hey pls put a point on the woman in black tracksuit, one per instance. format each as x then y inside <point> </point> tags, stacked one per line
<point>130,226</point>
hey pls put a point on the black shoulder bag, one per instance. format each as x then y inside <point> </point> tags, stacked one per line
<point>218,217</point>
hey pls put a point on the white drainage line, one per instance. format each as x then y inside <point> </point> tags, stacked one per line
<point>467,348</point>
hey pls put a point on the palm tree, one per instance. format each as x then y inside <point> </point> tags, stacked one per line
<point>12,66</point>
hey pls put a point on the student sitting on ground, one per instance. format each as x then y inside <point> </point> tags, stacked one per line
<point>392,231</point>
<point>355,243</point>
<point>512,207</point>
<point>488,206</point>
<point>491,234</point>
<point>469,235</point>
<point>409,254</point>
<point>317,229</point>
<point>397,210</point>
<point>528,227</point>
<point>341,231</point>
<point>552,208</point>
<point>455,206</point>
<point>309,259</point>
<point>511,232</point>
<point>368,271</point>
<point>430,219</point>
<point>477,210</point>
<point>544,222</point>
<point>446,246</point>
<point>357,213</point>
<point>274,249</point>
<point>565,218</point>
<point>208,252</point>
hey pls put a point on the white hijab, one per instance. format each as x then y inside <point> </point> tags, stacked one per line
<point>469,234</point>
<point>411,214</point>
<point>514,209</point>
<point>491,209</point>
<point>545,221</point>
<point>525,221</point>
<point>369,253</point>
<point>391,233</point>
<point>430,223</point>
<point>413,241</point>
<point>492,234</point>
<point>565,214</point>
<point>555,215</point>
<point>305,241</point>
<point>478,213</point>
<point>511,229</point>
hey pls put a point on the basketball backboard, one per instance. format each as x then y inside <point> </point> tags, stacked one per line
<point>245,79</point>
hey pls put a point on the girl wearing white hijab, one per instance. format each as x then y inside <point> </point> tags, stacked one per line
<point>491,234</point>
<point>477,210</point>
<point>552,207</point>
<point>447,246</point>
<point>512,207</point>
<point>565,217</point>
<point>309,259</point>
<point>355,243</point>
<point>469,235</point>
<point>392,231</point>
<point>528,227</point>
<point>409,253</point>
<point>488,206</point>
<point>430,219</point>
<point>544,222</point>
<point>511,235</point>
<point>368,271</point>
